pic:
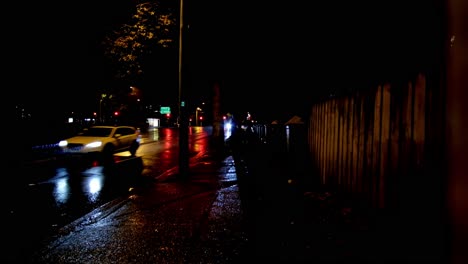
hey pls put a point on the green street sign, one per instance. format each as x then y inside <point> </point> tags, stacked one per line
<point>165,110</point>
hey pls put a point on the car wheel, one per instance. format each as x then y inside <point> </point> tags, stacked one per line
<point>134,147</point>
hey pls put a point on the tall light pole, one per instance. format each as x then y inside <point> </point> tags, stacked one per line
<point>182,119</point>
<point>100,107</point>
<point>197,111</point>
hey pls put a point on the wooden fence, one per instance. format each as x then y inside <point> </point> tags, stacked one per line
<point>376,144</point>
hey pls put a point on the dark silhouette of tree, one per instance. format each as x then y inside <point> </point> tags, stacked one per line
<point>152,27</point>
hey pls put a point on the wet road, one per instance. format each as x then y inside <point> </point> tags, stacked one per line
<point>40,198</point>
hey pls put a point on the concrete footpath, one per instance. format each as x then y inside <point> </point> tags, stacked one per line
<point>291,219</point>
<point>247,203</point>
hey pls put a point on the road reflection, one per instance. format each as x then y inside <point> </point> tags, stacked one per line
<point>79,184</point>
<point>198,145</point>
<point>61,191</point>
<point>153,134</point>
<point>91,186</point>
<point>47,194</point>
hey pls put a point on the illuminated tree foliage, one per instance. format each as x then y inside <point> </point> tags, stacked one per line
<point>151,27</point>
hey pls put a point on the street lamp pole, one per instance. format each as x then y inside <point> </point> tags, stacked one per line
<point>182,122</point>
<point>197,115</point>
<point>100,107</point>
<point>100,110</point>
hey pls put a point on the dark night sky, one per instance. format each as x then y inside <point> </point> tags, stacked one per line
<point>278,56</point>
<point>54,62</point>
<point>271,58</point>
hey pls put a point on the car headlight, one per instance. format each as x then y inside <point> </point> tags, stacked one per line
<point>95,144</point>
<point>63,143</point>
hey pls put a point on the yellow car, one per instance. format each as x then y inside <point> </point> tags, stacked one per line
<point>103,141</point>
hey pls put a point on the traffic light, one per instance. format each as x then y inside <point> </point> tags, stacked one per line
<point>116,113</point>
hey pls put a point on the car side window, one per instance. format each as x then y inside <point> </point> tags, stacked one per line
<point>120,131</point>
<point>124,131</point>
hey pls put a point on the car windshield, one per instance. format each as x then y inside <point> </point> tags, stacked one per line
<point>97,132</point>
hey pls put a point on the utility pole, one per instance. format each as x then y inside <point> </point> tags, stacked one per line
<point>183,120</point>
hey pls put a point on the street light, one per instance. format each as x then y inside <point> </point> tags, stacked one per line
<point>183,125</point>
<point>196,115</point>
<point>100,107</point>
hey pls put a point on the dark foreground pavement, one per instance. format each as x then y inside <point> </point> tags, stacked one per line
<point>264,207</point>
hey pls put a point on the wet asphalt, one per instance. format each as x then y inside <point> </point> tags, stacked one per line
<point>197,219</point>
<point>240,201</point>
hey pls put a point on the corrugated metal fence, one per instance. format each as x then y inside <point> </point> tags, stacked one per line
<point>375,143</point>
